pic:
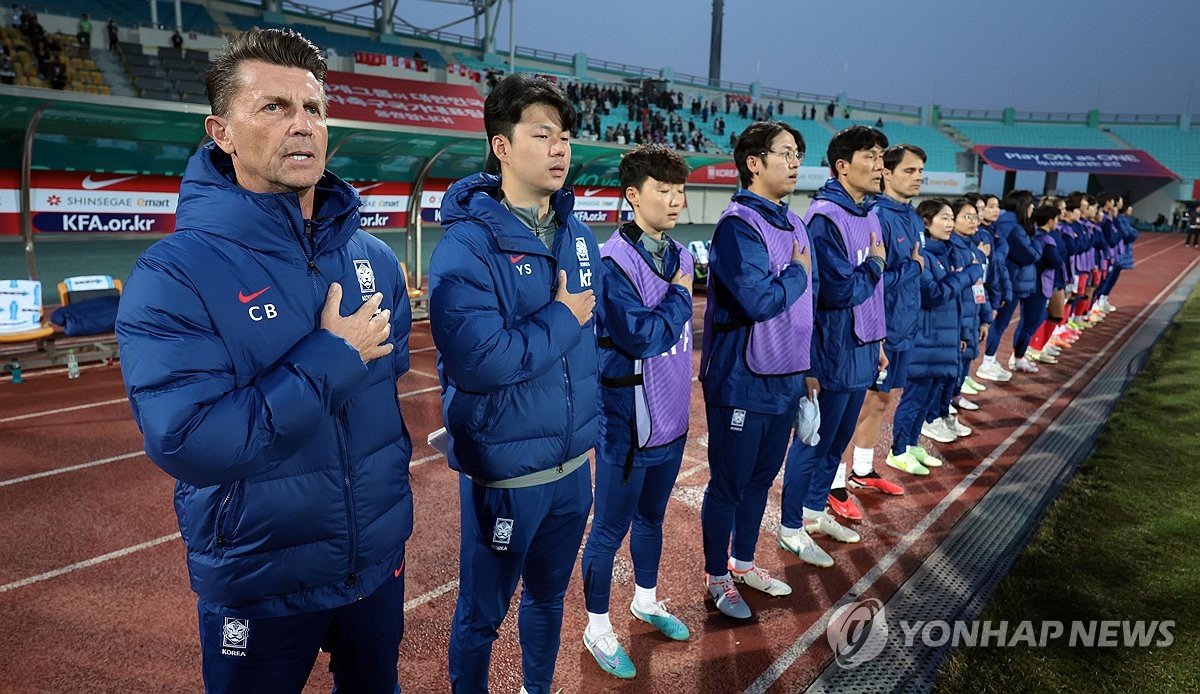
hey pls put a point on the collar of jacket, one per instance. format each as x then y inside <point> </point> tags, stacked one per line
<point>834,192</point>
<point>476,199</point>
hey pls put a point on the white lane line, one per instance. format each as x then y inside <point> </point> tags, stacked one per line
<point>88,562</point>
<point>70,468</point>
<point>421,349</point>
<point>814,632</point>
<point>426,597</point>
<point>60,410</point>
<point>423,373</point>
<point>411,393</point>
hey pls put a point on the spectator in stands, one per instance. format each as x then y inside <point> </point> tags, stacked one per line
<point>276,413</point>
<point>85,31</point>
<point>58,74</point>
<point>177,41</point>
<point>879,122</point>
<point>113,36</point>
<point>829,110</point>
<point>848,356</point>
<point>520,378</point>
<point>759,285</point>
<point>8,73</point>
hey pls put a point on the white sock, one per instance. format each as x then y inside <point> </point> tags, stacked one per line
<point>864,461</point>
<point>785,531</point>
<point>598,624</point>
<point>740,566</point>
<point>839,477</point>
<point>989,360</point>
<point>811,515</point>
<point>644,597</point>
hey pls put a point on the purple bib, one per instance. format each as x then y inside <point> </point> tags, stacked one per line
<point>1047,276</point>
<point>662,400</point>
<point>869,325</point>
<point>778,346</point>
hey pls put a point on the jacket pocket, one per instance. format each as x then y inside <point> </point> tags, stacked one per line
<point>227,514</point>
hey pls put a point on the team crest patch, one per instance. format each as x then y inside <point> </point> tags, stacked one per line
<point>366,276</point>
<point>738,421</point>
<point>581,251</point>
<point>502,533</point>
<point>236,633</point>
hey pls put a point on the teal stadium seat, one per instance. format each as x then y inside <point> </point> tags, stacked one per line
<point>1034,135</point>
<point>1178,150</point>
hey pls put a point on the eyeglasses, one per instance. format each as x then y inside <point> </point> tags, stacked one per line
<point>791,156</point>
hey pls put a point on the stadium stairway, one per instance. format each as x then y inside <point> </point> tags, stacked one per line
<point>114,73</point>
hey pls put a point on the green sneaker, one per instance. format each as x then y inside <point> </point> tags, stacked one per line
<point>609,655</point>
<point>923,456</point>
<point>658,617</point>
<point>907,462</point>
<point>975,384</point>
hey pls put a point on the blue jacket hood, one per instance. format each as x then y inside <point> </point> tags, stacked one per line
<point>477,198</point>
<point>211,201</point>
<point>834,192</point>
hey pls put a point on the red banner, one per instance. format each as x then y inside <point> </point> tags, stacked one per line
<point>723,174</point>
<point>407,102</point>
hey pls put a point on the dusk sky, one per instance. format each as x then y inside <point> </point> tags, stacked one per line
<point>1056,55</point>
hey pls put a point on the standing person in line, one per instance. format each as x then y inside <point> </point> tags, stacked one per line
<point>511,311</point>
<point>998,284</point>
<point>934,363</point>
<point>758,325</point>
<point>1048,266</point>
<point>645,337</point>
<point>1193,228</point>
<point>260,345</point>
<point>848,351</point>
<point>1013,226</point>
<point>902,228</point>
<point>974,310</point>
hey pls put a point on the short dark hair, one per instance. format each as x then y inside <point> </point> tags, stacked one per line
<point>892,156</point>
<point>1045,213</point>
<point>1105,197</point>
<point>1074,200</point>
<point>755,140</point>
<point>1018,202</point>
<point>504,106</point>
<point>856,138</point>
<point>652,161</point>
<point>975,198</point>
<point>929,208</point>
<point>282,47</point>
<point>959,204</point>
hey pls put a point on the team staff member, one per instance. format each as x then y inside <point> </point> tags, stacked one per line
<point>645,336</point>
<point>758,325</point>
<point>276,413</point>
<point>510,307</point>
<point>850,328</point>
<point>902,228</point>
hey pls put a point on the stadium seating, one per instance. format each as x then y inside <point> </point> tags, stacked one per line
<point>1178,150</point>
<point>195,17</point>
<point>1033,135</point>
<point>941,150</point>
<point>345,44</point>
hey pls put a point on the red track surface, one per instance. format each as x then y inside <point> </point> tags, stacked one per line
<point>128,622</point>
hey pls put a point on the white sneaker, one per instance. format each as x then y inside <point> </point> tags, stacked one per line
<point>951,423</point>
<point>801,544</point>
<point>938,432</point>
<point>759,579</point>
<point>826,525</point>
<point>993,372</point>
<point>953,409</point>
<point>1107,307</point>
<point>1052,351</point>
<point>1022,365</point>
<point>965,404</point>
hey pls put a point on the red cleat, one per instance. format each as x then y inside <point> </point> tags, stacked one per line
<point>846,509</point>
<point>874,481</point>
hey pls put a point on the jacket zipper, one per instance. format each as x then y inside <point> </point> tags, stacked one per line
<point>570,413</point>
<point>224,513</point>
<point>348,492</point>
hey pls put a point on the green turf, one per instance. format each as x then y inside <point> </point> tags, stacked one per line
<point>1120,543</point>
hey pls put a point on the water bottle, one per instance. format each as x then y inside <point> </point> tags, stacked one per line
<point>15,368</point>
<point>72,364</point>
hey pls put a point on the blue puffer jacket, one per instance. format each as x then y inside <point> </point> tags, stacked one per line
<point>1129,234</point>
<point>842,363</point>
<point>519,374</point>
<point>997,281</point>
<point>1022,258</point>
<point>902,230</point>
<point>291,455</point>
<point>935,354</point>
<point>973,314</point>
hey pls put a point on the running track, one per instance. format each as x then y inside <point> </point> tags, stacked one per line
<point>94,593</point>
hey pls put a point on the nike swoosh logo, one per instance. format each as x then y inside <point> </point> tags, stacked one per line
<point>247,299</point>
<point>589,192</point>
<point>366,188</point>
<point>89,184</point>
<point>516,258</point>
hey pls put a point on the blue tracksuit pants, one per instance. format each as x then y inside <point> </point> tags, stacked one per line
<point>811,469</point>
<point>745,452</point>
<point>1033,314</point>
<point>530,534</point>
<point>919,403</point>
<point>639,499</point>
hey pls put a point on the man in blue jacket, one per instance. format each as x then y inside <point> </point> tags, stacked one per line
<point>850,327</point>
<point>903,173</point>
<point>511,296</point>
<point>260,345</point>
<point>754,356</point>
